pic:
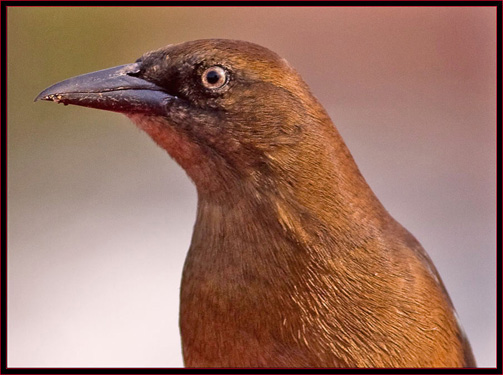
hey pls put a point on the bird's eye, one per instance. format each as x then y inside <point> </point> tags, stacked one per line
<point>214,77</point>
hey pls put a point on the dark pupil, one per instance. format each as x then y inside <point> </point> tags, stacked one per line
<point>212,77</point>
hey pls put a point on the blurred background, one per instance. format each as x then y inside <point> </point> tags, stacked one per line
<point>100,218</point>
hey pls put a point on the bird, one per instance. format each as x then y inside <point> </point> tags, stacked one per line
<point>293,262</point>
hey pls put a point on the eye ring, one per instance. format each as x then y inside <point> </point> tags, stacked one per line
<point>215,77</point>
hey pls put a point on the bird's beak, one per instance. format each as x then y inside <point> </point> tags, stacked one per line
<point>116,89</point>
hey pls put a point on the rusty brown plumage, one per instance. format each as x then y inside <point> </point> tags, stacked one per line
<point>293,262</point>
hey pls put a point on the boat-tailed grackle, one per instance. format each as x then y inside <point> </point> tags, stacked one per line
<point>294,262</point>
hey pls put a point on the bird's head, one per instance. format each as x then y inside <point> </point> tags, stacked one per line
<point>228,111</point>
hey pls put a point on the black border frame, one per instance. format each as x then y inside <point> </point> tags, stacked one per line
<point>95,370</point>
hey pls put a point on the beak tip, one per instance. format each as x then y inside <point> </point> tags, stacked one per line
<point>39,97</point>
<point>44,95</point>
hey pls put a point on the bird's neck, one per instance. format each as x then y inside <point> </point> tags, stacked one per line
<point>263,251</point>
<point>308,190</point>
<point>257,258</point>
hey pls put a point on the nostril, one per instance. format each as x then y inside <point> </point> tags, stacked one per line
<point>133,70</point>
<point>134,73</point>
